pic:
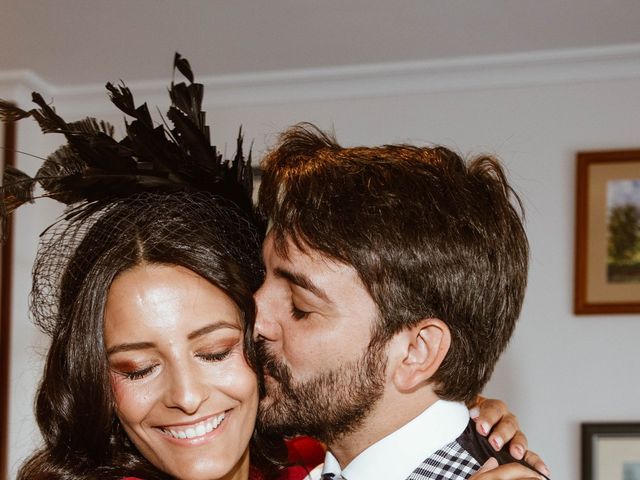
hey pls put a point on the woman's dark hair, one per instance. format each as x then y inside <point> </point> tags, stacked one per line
<point>76,265</point>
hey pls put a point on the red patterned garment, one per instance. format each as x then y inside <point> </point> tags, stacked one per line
<point>304,454</point>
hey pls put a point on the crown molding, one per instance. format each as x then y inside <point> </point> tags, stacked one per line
<point>17,85</point>
<point>372,80</point>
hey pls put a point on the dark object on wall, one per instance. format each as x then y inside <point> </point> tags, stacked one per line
<point>610,450</point>
<point>607,261</point>
<point>7,142</point>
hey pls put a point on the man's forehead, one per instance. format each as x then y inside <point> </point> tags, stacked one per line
<point>300,256</point>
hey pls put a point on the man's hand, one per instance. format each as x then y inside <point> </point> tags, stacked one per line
<point>493,418</point>
<point>511,471</point>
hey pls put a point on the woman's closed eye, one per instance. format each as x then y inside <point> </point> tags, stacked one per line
<point>214,357</point>
<point>135,374</point>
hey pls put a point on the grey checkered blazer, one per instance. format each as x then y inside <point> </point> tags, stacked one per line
<point>460,459</point>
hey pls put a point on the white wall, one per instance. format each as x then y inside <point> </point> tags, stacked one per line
<point>560,369</point>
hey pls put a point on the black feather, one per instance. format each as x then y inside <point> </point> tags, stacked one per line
<point>10,113</point>
<point>93,168</point>
<point>122,98</point>
<point>17,188</point>
<point>46,117</point>
<point>91,126</point>
<point>182,64</point>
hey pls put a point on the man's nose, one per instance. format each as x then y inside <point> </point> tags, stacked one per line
<point>266,325</point>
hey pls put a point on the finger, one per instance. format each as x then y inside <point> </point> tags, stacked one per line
<point>488,465</point>
<point>505,431</point>
<point>490,413</point>
<point>509,471</point>
<point>533,459</point>
<point>518,445</point>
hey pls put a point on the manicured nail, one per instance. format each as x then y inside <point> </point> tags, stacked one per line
<point>544,470</point>
<point>474,413</point>
<point>484,428</point>
<point>518,452</point>
<point>497,443</point>
<point>489,464</point>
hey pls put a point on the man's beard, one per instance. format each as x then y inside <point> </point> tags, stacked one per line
<point>326,406</point>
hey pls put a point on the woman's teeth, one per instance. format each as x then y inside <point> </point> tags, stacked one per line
<point>197,430</point>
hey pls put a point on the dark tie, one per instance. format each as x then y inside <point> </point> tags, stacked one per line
<point>331,476</point>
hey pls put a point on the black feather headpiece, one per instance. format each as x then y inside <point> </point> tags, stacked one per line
<point>93,168</point>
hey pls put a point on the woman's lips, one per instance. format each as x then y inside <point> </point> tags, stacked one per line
<point>195,430</point>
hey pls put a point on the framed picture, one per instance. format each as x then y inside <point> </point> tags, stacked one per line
<point>611,451</point>
<point>607,264</point>
<point>7,152</point>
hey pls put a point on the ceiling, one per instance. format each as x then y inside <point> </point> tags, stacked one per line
<point>69,42</point>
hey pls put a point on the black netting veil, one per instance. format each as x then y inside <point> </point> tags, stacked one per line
<point>147,227</point>
<point>161,179</point>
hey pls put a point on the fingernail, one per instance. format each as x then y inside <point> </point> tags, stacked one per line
<point>489,464</point>
<point>545,470</point>
<point>474,413</point>
<point>518,452</point>
<point>497,442</point>
<point>484,428</point>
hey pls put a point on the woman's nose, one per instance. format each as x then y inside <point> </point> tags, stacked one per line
<point>187,390</point>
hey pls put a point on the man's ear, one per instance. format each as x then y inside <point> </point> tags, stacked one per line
<point>419,351</point>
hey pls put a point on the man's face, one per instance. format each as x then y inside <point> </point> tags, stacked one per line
<point>313,329</point>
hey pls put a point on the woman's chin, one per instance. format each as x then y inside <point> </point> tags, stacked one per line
<point>209,469</point>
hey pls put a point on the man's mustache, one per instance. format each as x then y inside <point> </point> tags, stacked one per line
<point>270,364</point>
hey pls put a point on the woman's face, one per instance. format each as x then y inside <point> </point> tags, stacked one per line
<point>184,393</point>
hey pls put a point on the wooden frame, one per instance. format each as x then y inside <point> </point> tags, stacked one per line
<point>610,450</point>
<point>7,154</point>
<point>602,283</point>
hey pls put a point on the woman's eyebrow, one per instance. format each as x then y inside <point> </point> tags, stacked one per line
<point>212,328</point>
<point>127,347</point>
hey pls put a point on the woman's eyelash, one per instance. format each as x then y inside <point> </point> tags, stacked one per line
<point>138,374</point>
<point>214,357</point>
<point>143,372</point>
<point>297,313</point>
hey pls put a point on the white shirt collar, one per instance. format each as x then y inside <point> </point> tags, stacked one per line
<point>398,454</point>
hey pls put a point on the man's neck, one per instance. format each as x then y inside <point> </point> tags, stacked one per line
<point>389,414</point>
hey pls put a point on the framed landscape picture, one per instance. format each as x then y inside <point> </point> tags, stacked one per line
<point>611,451</point>
<point>607,263</point>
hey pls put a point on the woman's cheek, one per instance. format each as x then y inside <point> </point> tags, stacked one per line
<point>117,386</point>
<point>236,377</point>
<point>131,399</point>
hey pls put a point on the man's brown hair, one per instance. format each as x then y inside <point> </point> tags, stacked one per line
<point>429,235</point>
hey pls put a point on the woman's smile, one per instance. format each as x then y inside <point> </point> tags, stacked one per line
<point>195,431</point>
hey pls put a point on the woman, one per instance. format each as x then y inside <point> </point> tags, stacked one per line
<point>160,286</point>
<point>145,287</point>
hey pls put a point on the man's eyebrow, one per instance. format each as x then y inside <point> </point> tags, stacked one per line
<point>128,347</point>
<point>302,281</point>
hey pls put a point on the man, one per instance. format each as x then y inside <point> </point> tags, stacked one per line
<point>394,277</point>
